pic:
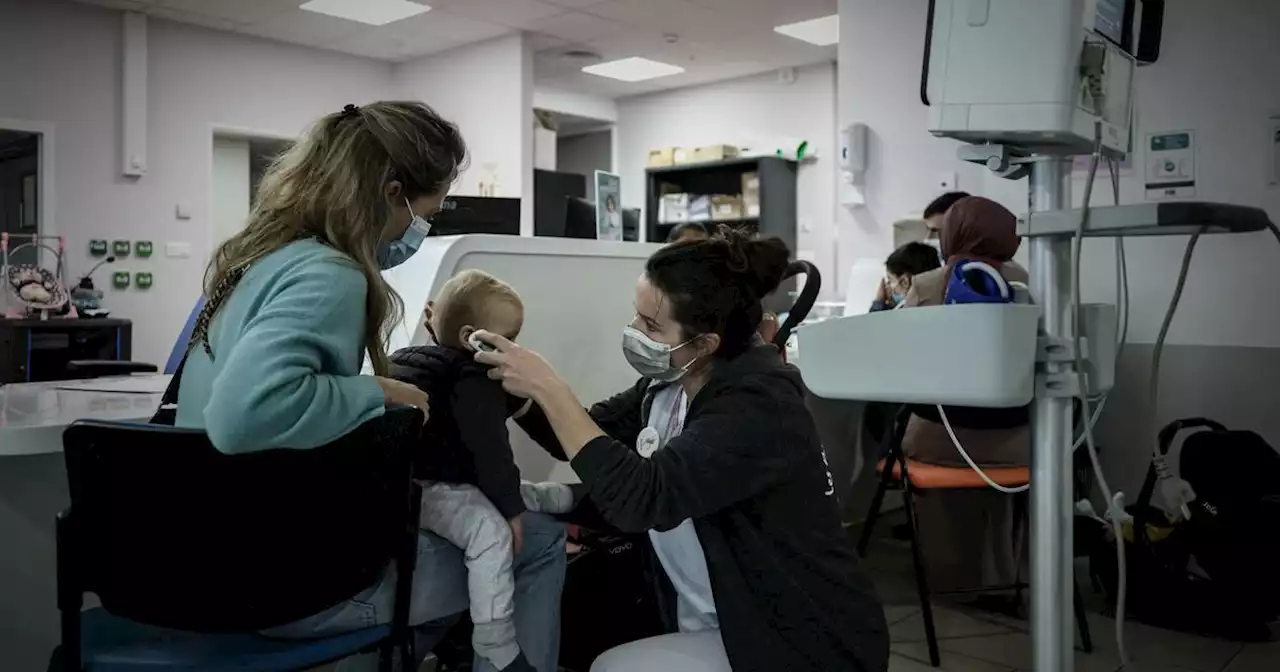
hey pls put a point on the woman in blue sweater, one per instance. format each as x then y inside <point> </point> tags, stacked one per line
<point>295,302</point>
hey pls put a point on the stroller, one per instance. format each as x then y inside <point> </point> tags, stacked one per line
<point>1214,573</point>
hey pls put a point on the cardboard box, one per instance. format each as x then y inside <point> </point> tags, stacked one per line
<point>750,195</point>
<point>681,156</point>
<point>700,209</point>
<point>726,208</point>
<point>673,209</point>
<point>662,157</point>
<point>714,153</point>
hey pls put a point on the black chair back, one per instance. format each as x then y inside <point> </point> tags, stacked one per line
<point>167,531</point>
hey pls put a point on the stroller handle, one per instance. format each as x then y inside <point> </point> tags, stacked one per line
<point>804,302</point>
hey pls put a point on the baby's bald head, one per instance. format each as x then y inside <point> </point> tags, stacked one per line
<point>473,300</point>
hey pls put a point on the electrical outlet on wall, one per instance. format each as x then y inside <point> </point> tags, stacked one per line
<point>177,250</point>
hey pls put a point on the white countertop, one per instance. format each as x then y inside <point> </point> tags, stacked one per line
<point>33,415</point>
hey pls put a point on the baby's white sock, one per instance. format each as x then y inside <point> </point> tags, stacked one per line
<point>547,497</point>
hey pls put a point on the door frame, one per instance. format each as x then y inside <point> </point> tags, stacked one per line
<point>240,133</point>
<point>46,203</point>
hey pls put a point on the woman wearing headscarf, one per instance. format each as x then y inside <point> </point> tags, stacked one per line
<point>967,536</point>
<point>974,229</point>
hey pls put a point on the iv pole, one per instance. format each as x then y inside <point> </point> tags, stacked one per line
<point>1052,573</point>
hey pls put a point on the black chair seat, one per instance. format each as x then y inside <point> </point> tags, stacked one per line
<point>113,644</point>
<point>191,551</point>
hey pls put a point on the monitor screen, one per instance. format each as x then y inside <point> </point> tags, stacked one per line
<point>1110,19</point>
<point>580,218</point>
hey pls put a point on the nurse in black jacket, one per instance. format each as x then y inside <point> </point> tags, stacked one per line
<point>714,454</point>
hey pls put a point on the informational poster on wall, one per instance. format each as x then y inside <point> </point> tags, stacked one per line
<point>1273,147</point>
<point>608,210</point>
<point>1170,166</point>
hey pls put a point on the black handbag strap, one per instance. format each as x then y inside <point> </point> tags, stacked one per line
<point>167,414</point>
<point>170,396</point>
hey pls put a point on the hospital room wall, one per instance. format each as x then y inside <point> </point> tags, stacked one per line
<point>199,79</point>
<point>755,111</point>
<point>1215,77</point>
<point>487,89</point>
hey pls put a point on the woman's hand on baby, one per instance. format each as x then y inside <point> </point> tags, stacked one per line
<point>522,371</point>
<point>398,393</point>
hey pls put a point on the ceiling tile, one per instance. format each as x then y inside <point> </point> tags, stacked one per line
<point>512,13</point>
<point>676,17</point>
<point>307,28</point>
<point>373,45</point>
<point>129,5</point>
<point>192,19</point>
<point>435,27</point>
<point>577,4</point>
<point>236,11</point>
<point>577,27</point>
<point>772,12</point>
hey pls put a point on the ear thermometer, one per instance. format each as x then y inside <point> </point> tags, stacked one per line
<point>479,345</point>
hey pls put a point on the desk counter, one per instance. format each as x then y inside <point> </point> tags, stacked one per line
<point>33,415</point>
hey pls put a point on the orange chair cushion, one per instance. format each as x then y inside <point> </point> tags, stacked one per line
<point>925,476</point>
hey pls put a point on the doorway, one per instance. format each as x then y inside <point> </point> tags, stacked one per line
<point>20,190</point>
<point>239,162</point>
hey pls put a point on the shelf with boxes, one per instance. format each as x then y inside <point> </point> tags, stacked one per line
<point>756,193</point>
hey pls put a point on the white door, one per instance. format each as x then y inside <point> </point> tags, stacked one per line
<point>230,187</point>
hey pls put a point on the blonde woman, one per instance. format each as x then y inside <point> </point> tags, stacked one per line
<point>294,303</point>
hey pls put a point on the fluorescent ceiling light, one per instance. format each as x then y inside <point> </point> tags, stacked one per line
<point>633,69</point>
<point>370,12</point>
<point>823,32</point>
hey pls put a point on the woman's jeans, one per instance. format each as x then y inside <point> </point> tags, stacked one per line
<point>440,595</point>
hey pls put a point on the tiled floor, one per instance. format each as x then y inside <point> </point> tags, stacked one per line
<point>977,641</point>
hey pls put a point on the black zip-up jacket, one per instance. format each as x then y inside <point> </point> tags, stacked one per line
<point>465,440</point>
<point>749,469</point>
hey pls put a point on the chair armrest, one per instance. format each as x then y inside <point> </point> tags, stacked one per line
<point>97,368</point>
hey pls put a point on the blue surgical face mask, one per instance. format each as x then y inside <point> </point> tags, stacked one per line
<point>398,251</point>
<point>899,298</point>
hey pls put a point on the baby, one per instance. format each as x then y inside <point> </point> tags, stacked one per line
<point>472,494</point>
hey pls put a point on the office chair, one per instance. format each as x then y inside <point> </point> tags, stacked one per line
<point>193,552</point>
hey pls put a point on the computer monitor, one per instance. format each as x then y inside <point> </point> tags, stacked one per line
<point>579,218</point>
<point>477,214</point>
<point>631,224</point>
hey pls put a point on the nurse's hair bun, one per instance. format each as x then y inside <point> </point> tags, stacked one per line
<point>759,263</point>
<point>715,286</point>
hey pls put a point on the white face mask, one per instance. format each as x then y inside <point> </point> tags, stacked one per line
<point>650,358</point>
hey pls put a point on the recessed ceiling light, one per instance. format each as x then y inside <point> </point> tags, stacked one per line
<point>370,12</point>
<point>823,32</point>
<point>633,69</point>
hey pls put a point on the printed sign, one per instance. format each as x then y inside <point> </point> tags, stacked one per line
<point>608,206</point>
<point>1170,166</point>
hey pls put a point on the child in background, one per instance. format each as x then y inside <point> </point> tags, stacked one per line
<point>688,231</point>
<point>901,267</point>
<point>473,495</point>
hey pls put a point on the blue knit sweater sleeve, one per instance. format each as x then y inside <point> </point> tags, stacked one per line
<point>292,378</point>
